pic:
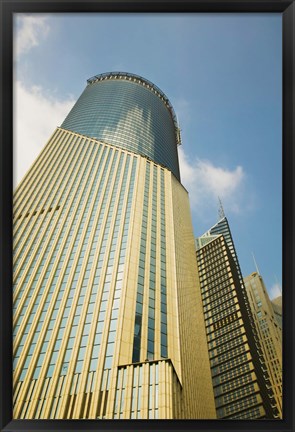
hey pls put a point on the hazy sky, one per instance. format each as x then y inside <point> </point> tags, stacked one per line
<point>223,76</point>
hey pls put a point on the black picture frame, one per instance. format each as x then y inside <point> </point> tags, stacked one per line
<point>8,8</point>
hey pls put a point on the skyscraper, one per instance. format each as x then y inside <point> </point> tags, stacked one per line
<point>268,330</point>
<point>105,287</point>
<point>241,383</point>
<point>278,311</point>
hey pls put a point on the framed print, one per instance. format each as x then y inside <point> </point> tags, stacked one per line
<point>147,215</point>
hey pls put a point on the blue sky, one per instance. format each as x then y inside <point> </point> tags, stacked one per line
<point>222,74</point>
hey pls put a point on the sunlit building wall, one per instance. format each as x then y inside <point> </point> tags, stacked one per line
<point>269,331</point>
<point>105,286</point>
<point>278,311</point>
<point>241,383</point>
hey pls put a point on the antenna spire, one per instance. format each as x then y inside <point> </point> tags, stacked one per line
<point>255,263</point>
<point>221,213</point>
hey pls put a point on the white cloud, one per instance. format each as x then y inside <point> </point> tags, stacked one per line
<point>30,30</point>
<point>35,118</point>
<point>206,182</point>
<point>275,291</point>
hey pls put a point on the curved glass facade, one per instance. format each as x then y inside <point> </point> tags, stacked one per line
<point>129,112</point>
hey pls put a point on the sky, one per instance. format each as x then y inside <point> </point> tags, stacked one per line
<point>223,75</point>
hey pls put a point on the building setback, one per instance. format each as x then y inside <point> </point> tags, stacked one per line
<point>241,384</point>
<point>268,330</point>
<point>105,287</point>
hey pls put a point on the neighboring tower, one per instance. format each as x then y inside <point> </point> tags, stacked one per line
<point>105,285</point>
<point>268,330</point>
<point>222,227</point>
<point>278,311</point>
<point>240,379</point>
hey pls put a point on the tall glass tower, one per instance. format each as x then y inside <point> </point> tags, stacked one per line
<point>105,286</point>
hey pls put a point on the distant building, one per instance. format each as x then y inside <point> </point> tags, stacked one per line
<point>105,288</point>
<point>240,380</point>
<point>278,310</point>
<point>269,331</point>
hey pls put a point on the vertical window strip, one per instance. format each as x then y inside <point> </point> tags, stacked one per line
<point>103,394</point>
<point>16,392</point>
<point>151,390</point>
<point>119,276</point>
<point>152,278</point>
<point>164,348</point>
<point>134,392</point>
<point>122,402</point>
<point>89,382</point>
<point>119,387</point>
<point>139,395</point>
<point>141,270</point>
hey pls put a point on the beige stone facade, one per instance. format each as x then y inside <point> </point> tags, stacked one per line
<point>106,289</point>
<point>240,380</point>
<point>269,331</point>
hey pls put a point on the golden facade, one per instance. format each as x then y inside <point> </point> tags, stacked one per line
<point>106,289</point>
<point>269,331</point>
<point>239,377</point>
